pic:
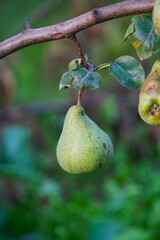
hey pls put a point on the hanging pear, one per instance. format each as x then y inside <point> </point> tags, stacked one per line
<point>149,97</point>
<point>156,16</point>
<point>83,146</point>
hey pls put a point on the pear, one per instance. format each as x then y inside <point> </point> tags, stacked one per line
<point>156,16</point>
<point>83,146</point>
<point>155,66</point>
<point>149,97</point>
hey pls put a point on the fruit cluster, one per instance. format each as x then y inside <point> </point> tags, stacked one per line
<point>83,146</point>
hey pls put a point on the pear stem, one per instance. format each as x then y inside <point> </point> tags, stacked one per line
<point>80,95</point>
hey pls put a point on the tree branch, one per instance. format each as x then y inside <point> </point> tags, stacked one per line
<point>71,27</point>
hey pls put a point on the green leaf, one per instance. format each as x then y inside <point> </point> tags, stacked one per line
<point>66,80</point>
<point>95,82</point>
<point>128,72</point>
<point>102,66</point>
<point>74,64</point>
<point>130,30</point>
<point>80,77</point>
<point>84,78</point>
<point>143,39</point>
<point>156,16</point>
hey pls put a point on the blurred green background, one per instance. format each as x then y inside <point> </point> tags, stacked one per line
<point>38,200</point>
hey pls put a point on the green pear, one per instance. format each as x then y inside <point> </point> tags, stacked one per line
<point>83,146</point>
<point>149,98</point>
<point>156,16</point>
<point>156,65</point>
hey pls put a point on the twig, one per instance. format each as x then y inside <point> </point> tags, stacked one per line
<point>27,25</point>
<point>79,49</point>
<point>70,27</point>
<point>80,95</point>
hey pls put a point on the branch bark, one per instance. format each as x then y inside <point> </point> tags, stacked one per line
<point>70,27</point>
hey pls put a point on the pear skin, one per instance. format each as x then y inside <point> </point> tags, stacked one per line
<point>149,98</point>
<point>155,66</point>
<point>83,146</point>
<point>156,16</point>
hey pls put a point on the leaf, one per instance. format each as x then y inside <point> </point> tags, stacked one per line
<point>128,72</point>
<point>66,80</point>
<point>74,64</point>
<point>95,82</point>
<point>156,16</point>
<point>144,39</point>
<point>84,78</point>
<point>80,77</point>
<point>102,66</point>
<point>130,30</point>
